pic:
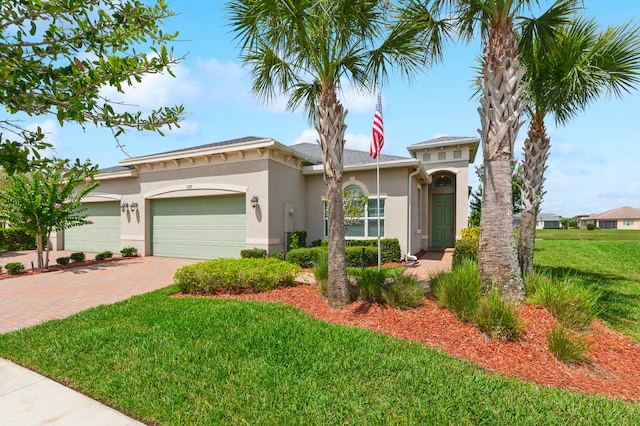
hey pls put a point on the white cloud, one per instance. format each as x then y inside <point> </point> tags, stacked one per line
<point>353,141</point>
<point>52,132</point>
<point>187,128</point>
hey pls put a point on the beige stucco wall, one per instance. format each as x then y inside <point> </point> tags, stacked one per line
<point>248,175</point>
<point>394,184</point>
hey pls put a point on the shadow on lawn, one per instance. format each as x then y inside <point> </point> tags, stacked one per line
<point>619,309</point>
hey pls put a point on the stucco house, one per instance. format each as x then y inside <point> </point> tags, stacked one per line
<point>214,200</point>
<point>620,218</point>
<point>543,221</point>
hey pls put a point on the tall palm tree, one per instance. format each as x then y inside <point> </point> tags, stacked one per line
<point>581,64</point>
<point>304,48</point>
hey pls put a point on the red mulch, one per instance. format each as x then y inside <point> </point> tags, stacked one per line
<point>613,368</point>
<point>52,267</point>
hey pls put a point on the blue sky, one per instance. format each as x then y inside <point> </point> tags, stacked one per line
<point>593,164</point>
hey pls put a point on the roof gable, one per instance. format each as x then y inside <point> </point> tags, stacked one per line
<point>620,213</point>
<point>351,157</point>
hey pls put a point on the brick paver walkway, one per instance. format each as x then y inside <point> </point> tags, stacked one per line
<point>29,300</point>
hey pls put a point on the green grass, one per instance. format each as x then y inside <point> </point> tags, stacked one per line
<point>204,361</point>
<point>583,234</point>
<point>610,267</point>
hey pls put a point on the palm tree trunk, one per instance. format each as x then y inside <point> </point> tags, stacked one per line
<point>331,127</point>
<point>536,152</point>
<point>500,112</point>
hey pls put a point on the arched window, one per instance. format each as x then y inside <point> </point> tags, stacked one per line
<point>443,181</point>
<point>365,223</point>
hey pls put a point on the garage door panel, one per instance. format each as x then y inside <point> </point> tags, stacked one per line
<point>103,234</point>
<point>199,227</point>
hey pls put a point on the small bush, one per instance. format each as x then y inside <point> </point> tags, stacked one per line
<point>459,290</point>
<point>591,226</point>
<point>235,276</point>
<point>129,252</point>
<point>569,300</point>
<point>370,284</point>
<point>12,239</point>
<point>77,257</point>
<point>404,293</point>
<point>63,260</point>
<point>321,272</point>
<point>304,257</point>
<point>353,256</point>
<point>14,268</point>
<point>276,255</point>
<point>565,346</point>
<point>100,256</point>
<point>471,234</point>
<point>464,250</point>
<point>298,240</point>
<point>107,254</point>
<point>498,318</point>
<point>253,253</point>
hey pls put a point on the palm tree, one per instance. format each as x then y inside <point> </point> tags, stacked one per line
<point>580,65</point>
<point>304,48</point>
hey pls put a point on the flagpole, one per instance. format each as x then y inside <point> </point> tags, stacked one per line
<point>378,185</point>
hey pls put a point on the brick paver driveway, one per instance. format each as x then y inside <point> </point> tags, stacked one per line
<point>33,299</point>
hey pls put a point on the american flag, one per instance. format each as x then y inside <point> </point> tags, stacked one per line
<point>377,131</point>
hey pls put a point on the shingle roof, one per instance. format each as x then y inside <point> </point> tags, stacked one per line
<point>211,145</point>
<point>620,213</point>
<point>351,157</point>
<point>115,169</point>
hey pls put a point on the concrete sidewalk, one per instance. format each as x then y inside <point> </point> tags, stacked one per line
<point>27,398</point>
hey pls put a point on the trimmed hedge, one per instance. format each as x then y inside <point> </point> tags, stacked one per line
<point>77,256</point>
<point>235,276</point>
<point>307,257</point>
<point>12,239</point>
<point>253,253</point>
<point>63,260</point>
<point>389,248</point>
<point>14,268</point>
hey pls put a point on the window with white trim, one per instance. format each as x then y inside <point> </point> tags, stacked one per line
<point>627,222</point>
<point>366,226</point>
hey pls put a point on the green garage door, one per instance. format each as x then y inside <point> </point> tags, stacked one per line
<point>103,234</point>
<point>198,227</point>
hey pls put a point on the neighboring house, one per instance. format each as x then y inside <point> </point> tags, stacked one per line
<point>543,221</point>
<point>217,199</point>
<point>620,218</point>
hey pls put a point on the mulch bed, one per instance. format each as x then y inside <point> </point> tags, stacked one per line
<point>55,267</point>
<point>611,370</point>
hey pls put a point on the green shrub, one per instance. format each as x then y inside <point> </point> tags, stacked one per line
<point>253,253</point>
<point>129,252</point>
<point>404,293</point>
<point>12,239</point>
<point>498,318</point>
<point>298,240</point>
<point>459,290</point>
<point>318,243</point>
<point>591,226</point>
<point>370,284</point>
<point>304,257</point>
<point>14,268</point>
<point>464,250</point>
<point>533,281</point>
<point>321,272</point>
<point>569,300</point>
<point>565,346</point>
<point>77,257</point>
<point>276,255</point>
<point>104,255</point>
<point>353,256</point>
<point>471,234</point>
<point>63,260</point>
<point>235,276</point>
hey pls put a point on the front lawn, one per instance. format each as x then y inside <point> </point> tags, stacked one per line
<point>208,361</point>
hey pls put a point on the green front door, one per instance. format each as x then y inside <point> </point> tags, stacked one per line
<point>443,224</point>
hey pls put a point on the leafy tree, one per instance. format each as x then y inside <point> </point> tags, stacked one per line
<point>569,222</point>
<point>58,56</point>
<point>46,199</point>
<point>564,75</point>
<point>304,49</point>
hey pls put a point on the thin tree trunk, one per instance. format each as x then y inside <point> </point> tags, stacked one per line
<point>500,112</point>
<point>536,152</point>
<point>331,127</point>
<point>40,251</point>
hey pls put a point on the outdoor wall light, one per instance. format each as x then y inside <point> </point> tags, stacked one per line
<point>254,201</point>
<point>124,207</point>
<point>133,206</point>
